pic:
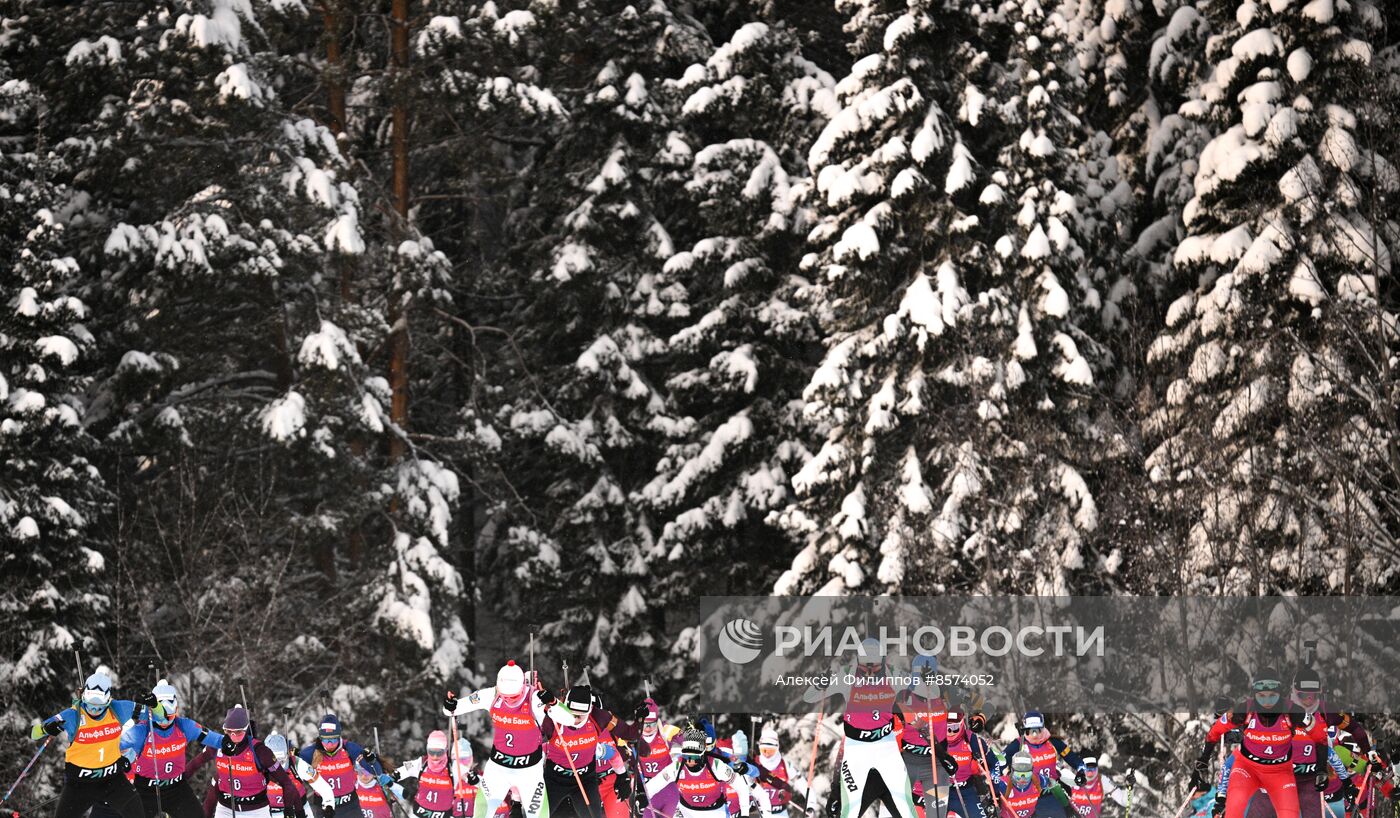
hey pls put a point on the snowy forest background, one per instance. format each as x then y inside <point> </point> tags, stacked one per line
<point>341,340</point>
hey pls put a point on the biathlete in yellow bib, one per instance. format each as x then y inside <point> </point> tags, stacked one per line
<point>95,764</point>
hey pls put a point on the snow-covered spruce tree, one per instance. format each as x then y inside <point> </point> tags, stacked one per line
<point>52,498</point>
<point>736,367</point>
<point>588,419</point>
<point>237,395</point>
<point>1269,414</point>
<point>959,389</point>
<point>1170,144</point>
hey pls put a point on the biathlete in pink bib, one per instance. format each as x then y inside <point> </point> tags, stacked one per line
<point>870,756</point>
<point>516,762</point>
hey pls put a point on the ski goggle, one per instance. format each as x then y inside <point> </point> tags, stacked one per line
<point>767,752</point>
<point>1266,684</point>
<point>1022,778</point>
<point>96,699</point>
<point>235,734</point>
<point>437,753</point>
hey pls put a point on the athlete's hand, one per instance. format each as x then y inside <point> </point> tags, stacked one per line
<point>1320,782</point>
<point>1218,808</point>
<point>977,722</point>
<point>449,703</point>
<point>368,757</point>
<point>473,778</point>
<point>1349,789</point>
<point>1080,778</point>
<point>123,764</point>
<point>1199,775</point>
<point>228,747</point>
<point>949,764</point>
<point>546,698</point>
<point>640,713</point>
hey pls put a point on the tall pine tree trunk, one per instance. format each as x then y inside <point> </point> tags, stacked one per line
<point>332,16</point>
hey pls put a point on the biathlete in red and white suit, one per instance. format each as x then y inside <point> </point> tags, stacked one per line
<point>428,784</point>
<point>656,750</point>
<point>242,768</point>
<point>1264,760</point>
<point>1086,800</point>
<point>571,736</point>
<point>517,708</point>
<point>773,776</point>
<point>702,781</point>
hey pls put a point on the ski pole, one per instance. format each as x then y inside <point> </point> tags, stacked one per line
<point>391,796</point>
<point>155,760</point>
<point>559,737</point>
<point>1128,807</point>
<point>457,796</point>
<point>42,747</point>
<point>812,763</point>
<point>986,770</point>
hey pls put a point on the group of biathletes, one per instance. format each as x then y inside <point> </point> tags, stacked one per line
<point>912,750</point>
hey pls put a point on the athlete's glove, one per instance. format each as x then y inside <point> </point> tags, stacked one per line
<point>1350,792</point>
<point>623,786</point>
<point>386,780</point>
<point>596,700</point>
<point>473,778</point>
<point>739,766</point>
<point>546,698</point>
<point>449,703</point>
<point>368,757</point>
<point>228,747</point>
<point>1080,778</point>
<point>1320,782</point>
<point>123,764</point>
<point>1234,738</point>
<point>1218,808</point>
<point>640,713</point>
<point>977,722</point>
<point>1199,773</point>
<point>43,728</point>
<point>949,765</point>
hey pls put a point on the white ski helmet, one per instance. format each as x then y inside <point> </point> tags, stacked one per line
<point>97,692</point>
<point>768,737</point>
<point>510,679</point>
<point>277,743</point>
<point>872,652</point>
<point>167,701</point>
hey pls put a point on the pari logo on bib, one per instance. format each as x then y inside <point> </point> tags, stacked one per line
<point>740,641</point>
